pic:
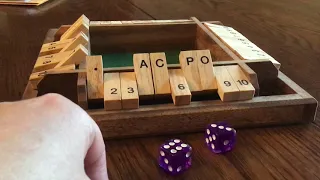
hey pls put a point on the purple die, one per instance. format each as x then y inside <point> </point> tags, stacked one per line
<point>175,156</point>
<point>220,138</point>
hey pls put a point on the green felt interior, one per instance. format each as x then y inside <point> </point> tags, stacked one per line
<point>112,60</point>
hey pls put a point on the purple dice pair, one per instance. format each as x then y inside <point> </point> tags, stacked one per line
<point>175,156</point>
<point>220,138</point>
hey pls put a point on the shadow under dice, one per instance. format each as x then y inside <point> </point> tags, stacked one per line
<point>220,138</point>
<point>175,156</point>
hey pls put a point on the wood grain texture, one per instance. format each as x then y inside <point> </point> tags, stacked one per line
<point>82,90</point>
<point>160,73</point>
<point>242,82</point>
<point>239,44</point>
<point>24,47</point>
<point>288,30</point>
<point>50,61</point>
<point>80,25</point>
<point>204,41</point>
<point>112,91</point>
<point>180,91</point>
<point>252,76</point>
<point>81,38</point>
<point>129,90</point>
<point>207,78</point>
<point>47,50</point>
<point>94,77</point>
<point>271,153</point>
<point>39,75</point>
<point>142,70</point>
<point>215,39</point>
<point>106,38</point>
<point>227,88</point>
<point>54,47</point>
<point>189,67</point>
<point>54,43</point>
<point>260,111</point>
<point>77,56</point>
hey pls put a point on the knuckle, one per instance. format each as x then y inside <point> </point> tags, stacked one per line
<point>54,99</point>
<point>56,102</point>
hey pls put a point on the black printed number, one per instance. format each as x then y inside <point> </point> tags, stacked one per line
<point>46,62</point>
<point>181,86</point>
<point>243,82</point>
<point>227,83</point>
<point>130,90</point>
<point>113,90</point>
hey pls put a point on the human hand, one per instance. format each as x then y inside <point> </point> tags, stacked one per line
<point>49,137</point>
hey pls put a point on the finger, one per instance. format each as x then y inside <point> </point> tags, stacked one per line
<point>95,160</point>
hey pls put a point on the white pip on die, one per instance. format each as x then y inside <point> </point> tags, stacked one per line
<point>220,137</point>
<point>175,156</point>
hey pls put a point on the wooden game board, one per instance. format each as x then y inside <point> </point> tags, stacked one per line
<point>277,99</point>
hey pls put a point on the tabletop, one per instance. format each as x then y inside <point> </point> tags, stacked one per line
<point>288,30</point>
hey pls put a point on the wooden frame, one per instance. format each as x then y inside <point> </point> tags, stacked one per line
<point>285,103</point>
<point>168,119</point>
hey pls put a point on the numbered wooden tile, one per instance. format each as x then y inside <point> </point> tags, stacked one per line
<point>189,67</point>
<point>160,73</point>
<point>81,38</point>
<point>49,61</point>
<point>75,57</point>
<point>54,47</point>
<point>227,88</point>
<point>112,91</point>
<point>95,77</point>
<point>205,66</point>
<point>180,91</point>
<point>242,82</point>
<point>81,25</point>
<point>129,90</point>
<point>47,50</point>
<point>142,69</point>
<point>44,63</point>
<point>240,44</point>
<point>36,77</point>
<point>252,76</point>
<point>55,43</point>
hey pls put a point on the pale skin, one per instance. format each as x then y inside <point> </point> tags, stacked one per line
<point>50,137</point>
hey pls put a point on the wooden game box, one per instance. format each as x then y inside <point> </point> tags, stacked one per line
<point>278,100</point>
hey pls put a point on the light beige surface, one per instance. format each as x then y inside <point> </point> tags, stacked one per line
<point>129,90</point>
<point>190,70</point>
<point>227,88</point>
<point>160,73</point>
<point>205,67</point>
<point>81,25</point>
<point>81,38</point>
<point>49,61</point>
<point>180,91</point>
<point>55,43</point>
<point>112,91</point>
<point>95,77</point>
<point>242,82</point>
<point>142,69</point>
<point>76,57</point>
<point>240,44</point>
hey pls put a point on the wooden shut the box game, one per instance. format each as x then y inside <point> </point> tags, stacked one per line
<point>138,78</point>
